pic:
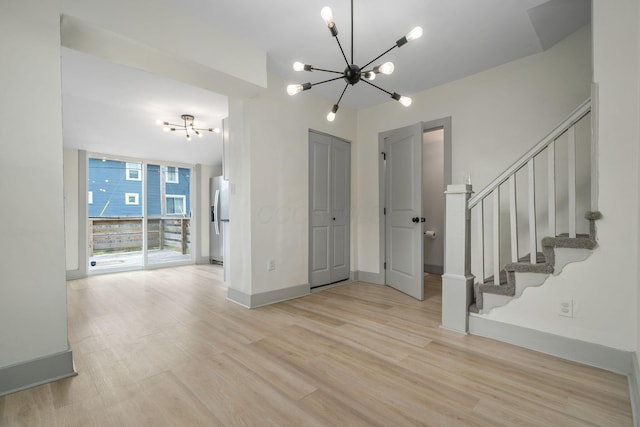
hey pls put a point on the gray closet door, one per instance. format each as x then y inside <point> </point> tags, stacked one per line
<point>329,209</point>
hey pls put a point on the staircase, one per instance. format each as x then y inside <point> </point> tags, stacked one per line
<point>516,277</point>
<point>520,212</point>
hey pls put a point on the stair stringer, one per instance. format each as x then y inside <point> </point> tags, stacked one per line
<point>526,280</point>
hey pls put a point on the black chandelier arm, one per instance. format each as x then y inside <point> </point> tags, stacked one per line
<point>379,56</point>
<point>341,95</point>
<point>342,51</point>
<point>351,33</point>
<point>377,87</point>
<point>326,71</point>
<point>326,81</point>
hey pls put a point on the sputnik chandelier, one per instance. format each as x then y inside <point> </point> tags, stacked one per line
<point>353,73</point>
<point>188,120</point>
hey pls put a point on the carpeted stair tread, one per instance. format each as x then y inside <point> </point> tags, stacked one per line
<point>593,215</point>
<point>527,267</point>
<point>473,309</point>
<point>497,289</point>
<point>568,242</point>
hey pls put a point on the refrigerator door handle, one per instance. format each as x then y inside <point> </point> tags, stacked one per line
<point>216,217</point>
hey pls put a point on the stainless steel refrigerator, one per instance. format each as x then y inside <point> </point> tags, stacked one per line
<point>219,214</point>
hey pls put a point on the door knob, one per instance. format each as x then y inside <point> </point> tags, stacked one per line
<point>423,219</point>
<point>415,219</point>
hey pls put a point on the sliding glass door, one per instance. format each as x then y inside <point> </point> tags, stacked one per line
<point>168,214</point>
<point>139,214</point>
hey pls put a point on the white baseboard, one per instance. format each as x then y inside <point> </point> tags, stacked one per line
<point>36,372</point>
<point>599,356</point>
<point>269,297</point>
<point>366,276</point>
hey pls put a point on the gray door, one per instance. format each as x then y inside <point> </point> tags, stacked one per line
<point>329,207</point>
<point>403,199</point>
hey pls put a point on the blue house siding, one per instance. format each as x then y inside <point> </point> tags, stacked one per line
<point>108,185</point>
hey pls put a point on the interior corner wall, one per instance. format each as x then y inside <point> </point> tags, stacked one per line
<point>496,116</point>
<point>71,220</point>
<point>33,309</point>
<point>276,147</point>
<point>603,288</point>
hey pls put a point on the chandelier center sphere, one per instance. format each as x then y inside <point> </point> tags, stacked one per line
<point>352,74</point>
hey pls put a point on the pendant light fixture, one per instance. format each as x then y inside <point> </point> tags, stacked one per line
<point>353,73</point>
<point>188,120</point>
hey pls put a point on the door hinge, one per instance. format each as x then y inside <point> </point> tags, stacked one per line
<point>384,211</point>
<point>385,265</point>
<point>384,155</point>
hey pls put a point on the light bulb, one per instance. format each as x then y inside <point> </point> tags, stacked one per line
<point>416,33</point>
<point>159,122</point>
<point>386,68</point>
<point>298,66</point>
<point>188,137</point>
<point>405,100</point>
<point>332,114</point>
<point>294,89</point>
<point>370,75</point>
<point>199,134</point>
<point>327,15</point>
<point>216,130</point>
<point>166,129</point>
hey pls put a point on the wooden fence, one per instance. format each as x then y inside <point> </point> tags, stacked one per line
<point>107,235</point>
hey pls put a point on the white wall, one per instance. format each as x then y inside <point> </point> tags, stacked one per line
<point>270,204</point>
<point>33,317</point>
<point>604,288</point>
<point>70,185</point>
<point>496,116</point>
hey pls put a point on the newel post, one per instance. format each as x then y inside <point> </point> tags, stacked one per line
<point>457,280</point>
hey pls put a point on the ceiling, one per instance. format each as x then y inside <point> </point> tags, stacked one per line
<point>110,108</point>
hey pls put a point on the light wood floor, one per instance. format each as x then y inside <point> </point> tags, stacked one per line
<point>164,347</point>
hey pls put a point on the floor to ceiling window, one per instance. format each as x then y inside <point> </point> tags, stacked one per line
<point>139,214</point>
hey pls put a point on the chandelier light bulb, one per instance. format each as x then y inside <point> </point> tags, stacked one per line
<point>188,137</point>
<point>332,114</point>
<point>405,100</point>
<point>160,122</point>
<point>370,75</point>
<point>298,66</point>
<point>216,130</point>
<point>327,15</point>
<point>166,129</point>
<point>294,89</point>
<point>416,33</point>
<point>386,68</point>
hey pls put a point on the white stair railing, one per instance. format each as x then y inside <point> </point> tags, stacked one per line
<point>476,206</point>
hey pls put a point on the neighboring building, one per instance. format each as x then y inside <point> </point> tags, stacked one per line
<point>116,190</point>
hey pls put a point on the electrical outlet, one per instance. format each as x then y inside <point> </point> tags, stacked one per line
<point>271,264</point>
<point>566,308</point>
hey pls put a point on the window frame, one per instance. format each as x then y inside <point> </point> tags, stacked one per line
<point>176,196</point>
<point>135,195</point>
<point>133,166</point>
<point>167,175</point>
